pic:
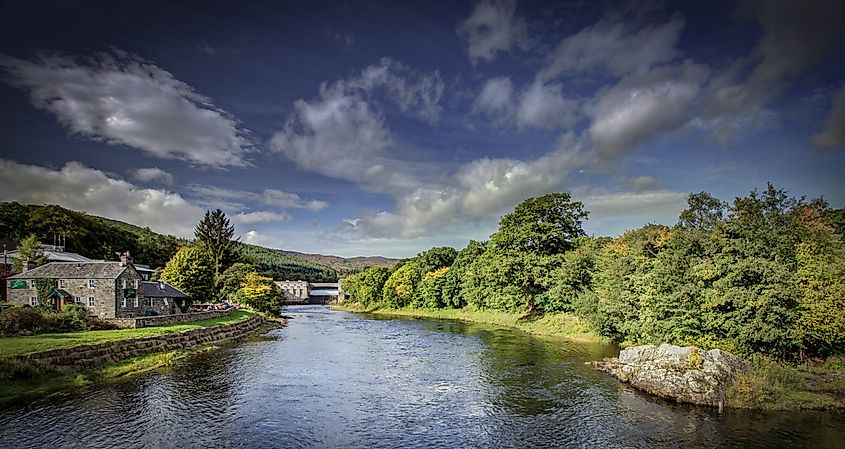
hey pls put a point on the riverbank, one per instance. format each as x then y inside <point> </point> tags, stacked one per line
<point>551,325</point>
<point>105,356</point>
<point>766,385</point>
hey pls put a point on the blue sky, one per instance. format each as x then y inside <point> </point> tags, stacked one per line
<point>362,128</point>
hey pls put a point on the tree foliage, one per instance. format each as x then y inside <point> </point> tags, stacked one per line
<point>190,271</point>
<point>545,225</point>
<point>214,235</point>
<point>260,293</point>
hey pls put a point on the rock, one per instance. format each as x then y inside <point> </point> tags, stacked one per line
<point>685,374</point>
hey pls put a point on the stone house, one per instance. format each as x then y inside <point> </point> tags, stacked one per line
<point>162,297</point>
<point>107,289</point>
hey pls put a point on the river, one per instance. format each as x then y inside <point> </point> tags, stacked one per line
<point>338,379</point>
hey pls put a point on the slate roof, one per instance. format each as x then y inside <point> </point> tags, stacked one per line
<point>74,270</point>
<point>153,290</point>
<point>54,256</point>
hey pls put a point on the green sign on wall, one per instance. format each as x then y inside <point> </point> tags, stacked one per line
<point>130,293</point>
<point>17,283</point>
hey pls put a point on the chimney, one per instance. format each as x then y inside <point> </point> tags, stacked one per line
<point>161,285</point>
<point>125,259</point>
<point>27,265</point>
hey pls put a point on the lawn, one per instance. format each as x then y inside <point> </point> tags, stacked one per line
<point>11,346</point>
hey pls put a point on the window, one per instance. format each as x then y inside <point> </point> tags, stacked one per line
<point>90,301</point>
<point>61,283</point>
<point>77,299</point>
<point>136,301</point>
<point>90,283</point>
<point>123,302</point>
<point>124,283</point>
<point>33,301</point>
<point>135,284</point>
<point>151,302</point>
<point>32,283</point>
<point>164,300</point>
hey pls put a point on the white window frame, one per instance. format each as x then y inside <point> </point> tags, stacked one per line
<point>90,301</point>
<point>124,283</point>
<point>62,283</point>
<point>135,284</point>
<point>123,302</point>
<point>136,300</point>
<point>33,301</point>
<point>32,284</point>
<point>165,302</point>
<point>91,283</point>
<point>77,300</point>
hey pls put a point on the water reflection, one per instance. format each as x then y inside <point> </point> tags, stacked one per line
<point>334,379</point>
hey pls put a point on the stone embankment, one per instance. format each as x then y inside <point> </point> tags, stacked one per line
<point>88,356</point>
<point>685,374</point>
<point>167,320</point>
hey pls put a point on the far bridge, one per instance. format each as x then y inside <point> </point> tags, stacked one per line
<point>304,292</point>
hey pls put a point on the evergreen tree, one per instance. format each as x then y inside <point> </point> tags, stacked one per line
<point>214,235</point>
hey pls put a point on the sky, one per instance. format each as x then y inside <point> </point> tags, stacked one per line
<point>386,128</point>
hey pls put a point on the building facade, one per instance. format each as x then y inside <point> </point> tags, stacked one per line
<point>295,290</point>
<point>106,289</point>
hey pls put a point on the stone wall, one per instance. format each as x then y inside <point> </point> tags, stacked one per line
<point>88,356</point>
<point>166,320</point>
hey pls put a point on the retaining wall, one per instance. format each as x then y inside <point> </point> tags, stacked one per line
<point>88,356</point>
<point>167,320</point>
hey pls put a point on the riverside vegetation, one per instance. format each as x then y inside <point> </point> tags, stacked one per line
<point>761,277</point>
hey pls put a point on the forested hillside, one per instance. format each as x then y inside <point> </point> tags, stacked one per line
<point>102,238</point>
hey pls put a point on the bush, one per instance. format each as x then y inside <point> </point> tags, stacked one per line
<point>24,320</point>
<point>72,317</point>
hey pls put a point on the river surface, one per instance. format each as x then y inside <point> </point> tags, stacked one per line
<point>338,379</point>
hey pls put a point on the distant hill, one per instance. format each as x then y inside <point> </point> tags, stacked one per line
<point>103,238</point>
<point>345,264</point>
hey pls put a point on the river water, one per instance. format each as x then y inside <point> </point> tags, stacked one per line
<point>337,379</point>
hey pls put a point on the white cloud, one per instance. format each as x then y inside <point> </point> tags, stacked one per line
<point>152,174</point>
<point>493,26</point>
<point>254,237</point>
<point>616,47</point>
<point>260,217</point>
<point>78,187</point>
<point>544,106</point>
<point>495,97</point>
<point>126,101</point>
<point>342,132</point>
<point>234,199</point>
<point>833,134</point>
<point>643,183</point>
<point>654,203</point>
<point>643,105</point>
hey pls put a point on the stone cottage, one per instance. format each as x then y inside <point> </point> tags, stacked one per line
<point>162,297</point>
<point>107,289</point>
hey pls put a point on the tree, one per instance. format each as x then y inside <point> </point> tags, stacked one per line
<point>703,212</point>
<point>30,252</point>
<point>430,289</point>
<point>366,287</point>
<point>260,293</point>
<point>435,258</point>
<point>190,271</point>
<point>214,235</point>
<point>544,225</point>
<point>452,293</point>
<point>400,286</point>
<point>230,280</point>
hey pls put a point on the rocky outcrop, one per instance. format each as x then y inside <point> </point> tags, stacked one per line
<point>686,374</point>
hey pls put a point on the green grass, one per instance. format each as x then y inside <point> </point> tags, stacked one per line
<point>552,325</point>
<point>774,386</point>
<point>11,346</point>
<point>23,381</point>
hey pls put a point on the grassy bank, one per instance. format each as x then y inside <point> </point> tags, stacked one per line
<point>772,386</point>
<point>552,325</point>
<point>11,346</point>
<point>30,382</point>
